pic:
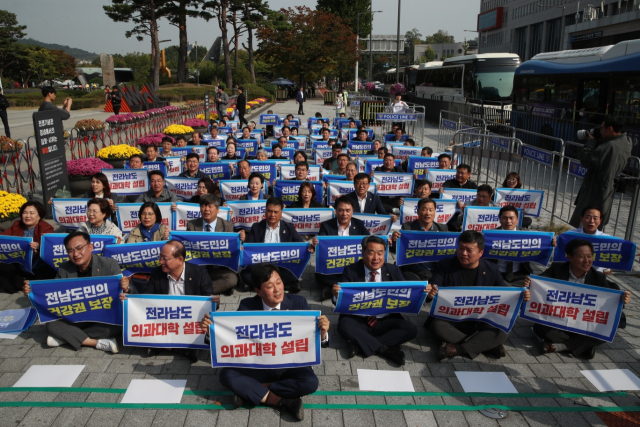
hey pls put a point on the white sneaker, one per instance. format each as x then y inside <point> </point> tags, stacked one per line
<point>107,344</point>
<point>54,342</point>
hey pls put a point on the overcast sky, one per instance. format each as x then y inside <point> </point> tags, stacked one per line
<point>83,23</point>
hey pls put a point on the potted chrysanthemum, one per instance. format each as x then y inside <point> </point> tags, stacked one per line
<point>116,155</point>
<point>80,172</point>
<point>87,127</point>
<point>198,125</point>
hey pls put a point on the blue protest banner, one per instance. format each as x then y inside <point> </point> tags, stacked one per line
<point>326,177</point>
<point>288,190</point>
<point>266,168</point>
<point>249,145</point>
<point>291,256</point>
<point>608,251</point>
<point>53,252</point>
<point>359,148</point>
<point>216,171</point>
<point>420,165</point>
<point>203,248</point>
<point>151,166</point>
<point>135,257</point>
<point>334,253</point>
<point>518,246</point>
<point>373,299</point>
<point>286,152</point>
<point>320,145</point>
<point>16,250</point>
<point>370,165</point>
<point>268,119</point>
<point>17,320</point>
<point>85,299</point>
<point>415,247</point>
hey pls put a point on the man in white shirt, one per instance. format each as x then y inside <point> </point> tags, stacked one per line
<point>591,218</point>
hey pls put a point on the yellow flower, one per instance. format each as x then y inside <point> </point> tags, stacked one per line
<point>10,204</point>
<point>122,151</point>
<point>177,129</point>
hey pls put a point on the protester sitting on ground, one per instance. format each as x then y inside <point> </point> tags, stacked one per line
<point>444,161</point>
<point>301,171</point>
<point>244,170</point>
<point>578,269</point>
<point>351,172</point>
<point>231,152</point>
<point>261,155</point>
<point>467,268</point>
<point>150,228</point>
<point>255,183</point>
<point>135,161</point>
<point>382,334</point>
<point>340,165</point>
<point>389,166</point>
<point>181,141</point>
<point>513,181</point>
<point>193,167</point>
<point>300,156</point>
<point>205,186</point>
<point>409,143</point>
<point>591,218</point>
<point>83,263</point>
<point>425,152</point>
<point>484,197</point>
<point>463,173</point>
<point>421,189</point>
<point>365,201</point>
<point>196,138</point>
<point>328,164</point>
<point>31,223</point>
<point>306,197</point>
<point>382,151</point>
<point>157,193</point>
<point>213,155</point>
<point>98,214</point>
<point>152,154</point>
<point>376,146</point>
<point>167,145</point>
<point>280,388</point>
<point>277,153</point>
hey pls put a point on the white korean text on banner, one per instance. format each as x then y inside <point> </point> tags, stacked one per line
<point>53,252</point>
<point>128,215</point>
<point>127,181</point>
<point>70,213</point>
<point>265,339</point>
<point>16,250</point>
<point>416,247</point>
<point>233,189</point>
<point>444,210</point>
<point>394,184</point>
<point>184,188</point>
<point>359,148</point>
<point>266,168</point>
<point>530,201</point>
<point>608,251</point>
<point>439,176</point>
<point>573,307</point>
<point>216,171</point>
<point>185,212</point>
<point>480,218</point>
<point>403,152</point>
<point>135,257</point>
<point>287,190</point>
<point>497,306</point>
<point>334,253</point>
<point>378,225</point>
<point>462,195</point>
<point>340,188</point>
<point>293,256</point>
<point>374,299</point>
<point>210,248</point>
<point>307,221</point>
<point>420,165</point>
<point>362,161</point>
<point>244,213</point>
<point>165,321</point>
<point>289,172</point>
<point>175,166</point>
<point>518,246</point>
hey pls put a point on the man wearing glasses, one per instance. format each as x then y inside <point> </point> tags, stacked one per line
<point>175,276</point>
<point>157,192</point>
<point>83,263</point>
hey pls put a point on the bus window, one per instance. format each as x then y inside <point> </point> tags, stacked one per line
<point>591,94</point>
<point>536,88</point>
<point>626,97</point>
<point>563,90</point>
<point>493,83</point>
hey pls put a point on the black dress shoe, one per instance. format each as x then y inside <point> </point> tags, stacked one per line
<point>327,293</point>
<point>590,354</point>
<point>392,353</point>
<point>192,355</point>
<point>237,402</point>
<point>353,349</point>
<point>497,352</point>
<point>446,351</point>
<point>292,406</point>
<point>151,352</point>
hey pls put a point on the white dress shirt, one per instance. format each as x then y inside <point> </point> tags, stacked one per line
<point>362,202</point>
<point>176,287</point>
<point>272,235</point>
<point>597,233</point>
<point>344,231</point>
<point>265,307</point>
<point>574,279</point>
<point>212,224</point>
<point>378,279</point>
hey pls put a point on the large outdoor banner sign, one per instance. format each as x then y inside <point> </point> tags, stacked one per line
<point>420,165</point>
<point>127,181</point>
<point>186,212</point>
<point>530,201</point>
<point>481,218</point>
<point>184,188</point>
<point>53,252</point>
<point>244,213</point>
<point>16,250</point>
<point>369,299</point>
<point>288,190</point>
<point>608,251</point>
<point>70,213</point>
<point>207,248</point>
<point>394,184</point>
<point>378,225</point>
<point>334,253</point>
<point>291,256</point>
<point>307,221</point>
<point>415,247</point>
<point>403,152</point>
<point>265,339</point>
<point>128,215</point>
<point>233,189</point>
<point>86,299</point>
<point>439,176</point>
<point>216,171</point>
<point>135,257</point>
<point>165,321</point>
<point>268,119</point>
<point>518,246</point>
<point>462,195</point>
<point>573,307</point>
<point>497,306</point>
<point>444,210</point>
<point>289,172</point>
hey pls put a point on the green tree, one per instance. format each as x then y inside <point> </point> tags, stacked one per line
<point>220,9</point>
<point>202,51</point>
<point>429,55</point>
<point>10,31</point>
<point>441,36</point>
<point>140,64</point>
<point>349,10</point>
<point>255,12</point>
<point>411,38</point>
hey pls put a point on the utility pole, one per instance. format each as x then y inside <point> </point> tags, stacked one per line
<point>398,47</point>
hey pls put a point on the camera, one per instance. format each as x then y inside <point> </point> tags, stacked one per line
<point>595,132</point>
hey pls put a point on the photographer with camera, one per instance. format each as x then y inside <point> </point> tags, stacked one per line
<point>604,155</point>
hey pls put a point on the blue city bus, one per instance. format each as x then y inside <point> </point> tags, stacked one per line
<point>559,93</point>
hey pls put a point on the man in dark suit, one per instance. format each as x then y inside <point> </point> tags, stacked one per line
<point>382,334</point>
<point>463,173</point>
<point>281,388</point>
<point>366,202</point>
<point>175,276</point>
<point>390,203</point>
<point>83,263</point>
<point>300,99</point>
<point>342,225</point>
<point>272,230</point>
<point>241,106</point>
<point>425,222</point>
<point>579,269</point>
<point>467,269</point>
<point>222,279</point>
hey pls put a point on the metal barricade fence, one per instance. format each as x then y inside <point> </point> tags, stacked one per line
<point>450,123</point>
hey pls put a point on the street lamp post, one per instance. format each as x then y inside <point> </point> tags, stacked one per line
<point>195,44</point>
<point>355,87</point>
<point>398,47</point>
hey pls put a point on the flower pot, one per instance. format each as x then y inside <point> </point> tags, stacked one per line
<point>79,186</point>
<point>116,163</point>
<point>200,129</point>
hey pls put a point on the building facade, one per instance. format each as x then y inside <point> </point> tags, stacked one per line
<point>442,50</point>
<point>529,27</point>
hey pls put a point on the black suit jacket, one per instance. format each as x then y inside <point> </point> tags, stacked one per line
<point>355,273</point>
<point>330,228</point>
<point>395,169</point>
<point>196,281</point>
<point>373,205</point>
<point>290,302</point>
<point>312,204</point>
<point>415,226</point>
<point>449,273</point>
<point>258,230</point>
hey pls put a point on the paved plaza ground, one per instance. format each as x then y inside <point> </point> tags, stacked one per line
<point>553,391</point>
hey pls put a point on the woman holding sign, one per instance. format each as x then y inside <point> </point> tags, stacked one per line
<point>255,184</point>
<point>30,224</point>
<point>306,197</point>
<point>98,211</point>
<point>513,181</point>
<point>150,228</point>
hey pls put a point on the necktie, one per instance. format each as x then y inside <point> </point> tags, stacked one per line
<point>208,227</point>
<point>509,272</point>
<point>372,320</point>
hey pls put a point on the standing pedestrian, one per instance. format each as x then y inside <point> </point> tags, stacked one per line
<point>4,104</point>
<point>241,106</point>
<point>107,91</point>
<point>300,99</point>
<point>340,105</point>
<point>222,99</point>
<point>313,91</point>
<point>116,100</point>
<point>604,156</point>
<point>49,94</point>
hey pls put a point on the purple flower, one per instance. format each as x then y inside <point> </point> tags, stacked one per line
<point>86,167</point>
<point>196,123</point>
